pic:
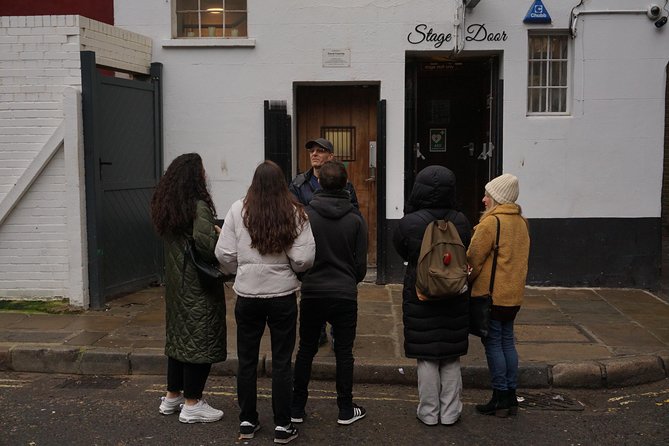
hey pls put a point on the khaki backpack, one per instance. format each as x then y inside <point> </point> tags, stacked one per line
<point>441,271</point>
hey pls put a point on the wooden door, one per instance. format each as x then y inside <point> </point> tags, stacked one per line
<point>344,113</point>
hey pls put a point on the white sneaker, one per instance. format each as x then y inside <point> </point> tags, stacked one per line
<point>199,413</point>
<point>170,405</point>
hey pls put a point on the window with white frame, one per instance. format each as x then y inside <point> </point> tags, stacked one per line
<point>547,73</point>
<point>210,18</point>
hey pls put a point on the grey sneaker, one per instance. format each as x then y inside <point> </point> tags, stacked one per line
<point>247,430</point>
<point>199,413</point>
<point>170,405</point>
<point>285,434</point>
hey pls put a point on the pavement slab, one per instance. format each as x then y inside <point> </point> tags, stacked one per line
<point>549,333</point>
<point>566,337</point>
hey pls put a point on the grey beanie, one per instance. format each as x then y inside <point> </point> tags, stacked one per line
<point>503,189</point>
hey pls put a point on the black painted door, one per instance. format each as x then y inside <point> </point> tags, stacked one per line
<point>123,147</point>
<point>453,120</point>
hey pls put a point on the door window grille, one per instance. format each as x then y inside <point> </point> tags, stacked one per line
<point>343,140</point>
<point>547,74</point>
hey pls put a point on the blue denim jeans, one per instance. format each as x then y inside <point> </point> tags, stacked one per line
<point>500,351</point>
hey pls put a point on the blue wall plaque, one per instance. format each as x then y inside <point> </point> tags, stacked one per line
<point>537,13</point>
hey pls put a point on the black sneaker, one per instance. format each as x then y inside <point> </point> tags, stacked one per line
<point>247,430</point>
<point>285,434</point>
<point>297,415</point>
<point>352,415</point>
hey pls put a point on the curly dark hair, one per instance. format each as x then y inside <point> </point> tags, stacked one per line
<point>175,199</point>
<point>270,211</point>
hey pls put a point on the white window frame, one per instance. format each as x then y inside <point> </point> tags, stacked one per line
<point>200,29</point>
<point>546,75</point>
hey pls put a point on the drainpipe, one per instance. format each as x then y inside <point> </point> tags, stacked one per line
<point>575,14</point>
<point>459,28</point>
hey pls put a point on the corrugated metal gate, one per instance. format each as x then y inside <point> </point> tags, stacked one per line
<point>123,159</point>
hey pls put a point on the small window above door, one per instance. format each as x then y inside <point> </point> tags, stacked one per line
<point>210,18</point>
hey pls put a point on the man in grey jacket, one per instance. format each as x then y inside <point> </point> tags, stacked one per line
<point>329,290</point>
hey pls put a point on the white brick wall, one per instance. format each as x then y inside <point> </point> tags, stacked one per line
<point>33,242</point>
<point>39,60</point>
<point>116,47</point>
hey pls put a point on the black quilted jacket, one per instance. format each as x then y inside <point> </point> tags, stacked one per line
<point>194,316</point>
<point>432,329</point>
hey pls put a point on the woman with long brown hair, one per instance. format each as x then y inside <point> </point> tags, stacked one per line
<point>266,240</point>
<point>182,209</point>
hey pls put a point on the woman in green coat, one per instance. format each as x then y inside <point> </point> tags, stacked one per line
<point>181,209</point>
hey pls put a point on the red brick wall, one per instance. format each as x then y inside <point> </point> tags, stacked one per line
<point>100,10</point>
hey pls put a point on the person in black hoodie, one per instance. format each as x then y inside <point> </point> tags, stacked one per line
<point>435,332</point>
<point>330,290</point>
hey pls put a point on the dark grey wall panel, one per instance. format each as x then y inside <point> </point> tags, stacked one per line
<point>575,252</point>
<point>597,252</point>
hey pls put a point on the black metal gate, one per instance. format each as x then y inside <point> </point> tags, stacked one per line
<point>123,159</point>
<point>277,136</point>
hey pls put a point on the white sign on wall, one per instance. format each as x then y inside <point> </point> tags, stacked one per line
<point>336,57</point>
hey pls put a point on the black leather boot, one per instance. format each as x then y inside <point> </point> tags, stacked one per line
<point>513,402</point>
<point>498,404</point>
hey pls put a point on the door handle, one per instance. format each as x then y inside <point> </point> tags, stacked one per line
<point>103,163</point>
<point>370,179</point>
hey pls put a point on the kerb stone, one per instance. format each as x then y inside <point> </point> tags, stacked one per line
<point>633,371</point>
<point>148,362</point>
<point>5,358</point>
<point>578,375</point>
<point>105,362</point>
<point>533,376</point>
<point>53,359</point>
<point>228,367</point>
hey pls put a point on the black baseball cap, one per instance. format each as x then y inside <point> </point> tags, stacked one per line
<point>321,142</point>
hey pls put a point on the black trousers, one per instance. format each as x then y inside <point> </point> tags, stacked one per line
<point>342,314</point>
<point>252,314</point>
<point>187,377</point>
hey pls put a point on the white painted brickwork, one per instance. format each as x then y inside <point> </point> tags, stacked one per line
<point>33,243</point>
<point>116,47</point>
<point>39,61</point>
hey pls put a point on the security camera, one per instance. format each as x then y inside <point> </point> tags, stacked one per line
<point>653,12</point>
<point>660,23</point>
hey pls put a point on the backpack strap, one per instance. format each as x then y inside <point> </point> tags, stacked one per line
<point>494,257</point>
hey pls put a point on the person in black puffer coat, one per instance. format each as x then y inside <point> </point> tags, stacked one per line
<point>435,332</point>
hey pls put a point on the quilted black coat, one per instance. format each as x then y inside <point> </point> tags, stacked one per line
<point>195,315</point>
<point>432,329</point>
